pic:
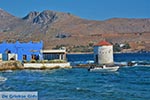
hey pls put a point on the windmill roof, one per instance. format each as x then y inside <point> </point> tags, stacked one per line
<point>103,43</point>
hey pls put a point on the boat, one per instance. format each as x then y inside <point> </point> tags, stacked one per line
<point>138,64</point>
<point>2,79</point>
<point>103,69</point>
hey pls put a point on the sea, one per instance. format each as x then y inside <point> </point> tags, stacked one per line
<point>128,83</point>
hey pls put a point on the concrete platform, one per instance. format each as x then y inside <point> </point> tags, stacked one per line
<point>46,65</point>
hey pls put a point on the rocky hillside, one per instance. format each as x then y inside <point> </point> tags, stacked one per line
<point>56,28</point>
<point>7,21</point>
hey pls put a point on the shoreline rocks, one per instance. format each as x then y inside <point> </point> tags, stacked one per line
<point>10,65</point>
<point>16,65</point>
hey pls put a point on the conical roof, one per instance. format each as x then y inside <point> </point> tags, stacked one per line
<point>103,43</point>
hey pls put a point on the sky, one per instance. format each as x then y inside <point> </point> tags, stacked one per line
<point>88,9</point>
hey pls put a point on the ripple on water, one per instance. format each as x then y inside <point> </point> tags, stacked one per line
<point>78,84</point>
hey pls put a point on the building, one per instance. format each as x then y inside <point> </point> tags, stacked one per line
<point>54,54</point>
<point>29,51</point>
<point>21,51</point>
<point>103,53</point>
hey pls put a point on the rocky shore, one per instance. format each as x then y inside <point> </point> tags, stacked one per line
<point>16,65</point>
<point>10,65</point>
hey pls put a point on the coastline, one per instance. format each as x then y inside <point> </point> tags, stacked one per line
<point>11,65</point>
<point>80,53</point>
<point>17,65</point>
<point>113,52</point>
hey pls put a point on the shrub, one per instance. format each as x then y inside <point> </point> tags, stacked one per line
<point>24,61</point>
<point>57,61</point>
<point>126,46</point>
<point>33,61</point>
<point>44,61</point>
<point>117,47</point>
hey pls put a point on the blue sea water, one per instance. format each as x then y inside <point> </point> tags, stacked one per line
<point>128,83</point>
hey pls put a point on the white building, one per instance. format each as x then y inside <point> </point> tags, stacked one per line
<point>54,54</point>
<point>12,56</point>
<point>103,53</point>
<point>45,55</point>
<point>9,56</point>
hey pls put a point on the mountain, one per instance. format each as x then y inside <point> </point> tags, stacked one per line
<point>7,20</point>
<point>57,28</point>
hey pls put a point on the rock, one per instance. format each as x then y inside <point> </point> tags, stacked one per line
<point>31,15</point>
<point>10,65</point>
